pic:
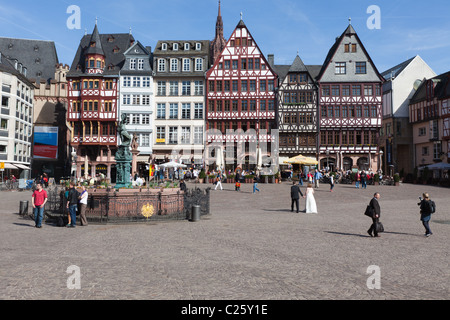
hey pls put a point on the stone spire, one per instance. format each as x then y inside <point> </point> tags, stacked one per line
<point>219,42</point>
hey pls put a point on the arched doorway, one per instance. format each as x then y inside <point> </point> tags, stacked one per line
<point>347,163</point>
<point>363,164</point>
<point>328,164</point>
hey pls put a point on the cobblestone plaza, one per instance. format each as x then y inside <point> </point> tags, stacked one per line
<point>250,247</point>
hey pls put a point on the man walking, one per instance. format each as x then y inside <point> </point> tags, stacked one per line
<point>363,180</point>
<point>39,199</point>
<point>255,183</point>
<point>376,212</point>
<point>72,204</point>
<point>295,196</point>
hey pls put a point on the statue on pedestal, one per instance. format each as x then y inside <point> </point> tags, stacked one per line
<point>123,155</point>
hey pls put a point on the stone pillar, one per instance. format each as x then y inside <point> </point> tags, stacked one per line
<point>134,153</point>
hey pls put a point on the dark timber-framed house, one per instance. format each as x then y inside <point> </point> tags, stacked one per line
<point>297,118</point>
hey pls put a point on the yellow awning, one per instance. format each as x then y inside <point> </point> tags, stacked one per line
<point>300,159</point>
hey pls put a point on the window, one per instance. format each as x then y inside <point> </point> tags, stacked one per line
<point>136,82</point>
<point>252,105</point>
<point>422,131</point>
<point>146,82</point>
<point>173,111</point>
<point>227,64</point>
<point>262,85</point>
<point>244,64</point>
<point>374,112</point>
<point>425,151</point>
<point>186,65</point>
<point>161,88</point>
<point>368,90</point>
<point>132,64</point>
<point>234,86</point>
<point>244,105</point>
<point>346,90</point>
<point>198,88</point>
<point>198,46</point>
<point>235,64</point>
<point>326,91</point>
<point>198,135</point>
<point>146,100</point>
<point>161,111</point>
<point>244,85</point>
<point>140,64</point>
<point>186,47</point>
<point>361,68</point>
<point>186,111</point>
<point>198,64</point>
<point>356,90</point>
<point>335,91</point>
<point>164,47</point>
<point>353,47</point>
<point>173,65</point>
<point>437,150</point>
<point>262,105</point>
<point>234,105</point>
<point>252,85</point>
<point>144,140</point>
<point>160,135</point>
<point>185,135</point>
<point>271,85</point>
<point>366,112</point>
<point>126,99</point>
<point>340,68</point>
<point>136,99</point>
<point>173,135</point>
<point>161,65</point>
<point>173,88</point>
<point>175,47</point>
<point>186,88</point>
<point>3,124</point>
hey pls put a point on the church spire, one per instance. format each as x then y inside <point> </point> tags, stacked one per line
<point>219,42</point>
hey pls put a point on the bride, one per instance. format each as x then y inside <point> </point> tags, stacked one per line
<point>311,206</point>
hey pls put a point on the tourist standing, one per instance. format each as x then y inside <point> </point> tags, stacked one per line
<point>295,196</point>
<point>331,183</point>
<point>363,178</point>
<point>311,206</point>
<point>427,207</point>
<point>255,183</point>
<point>358,178</point>
<point>316,178</point>
<point>72,204</point>
<point>38,200</point>
<point>83,204</point>
<point>183,186</point>
<point>300,177</point>
<point>376,213</point>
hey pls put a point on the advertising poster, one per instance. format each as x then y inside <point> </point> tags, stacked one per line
<point>45,143</point>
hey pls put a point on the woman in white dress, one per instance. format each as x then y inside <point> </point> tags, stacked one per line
<point>311,206</point>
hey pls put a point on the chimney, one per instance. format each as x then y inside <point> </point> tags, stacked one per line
<point>271,59</point>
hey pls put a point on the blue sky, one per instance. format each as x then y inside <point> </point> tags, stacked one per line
<point>280,27</point>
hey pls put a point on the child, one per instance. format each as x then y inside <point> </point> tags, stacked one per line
<point>238,186</point>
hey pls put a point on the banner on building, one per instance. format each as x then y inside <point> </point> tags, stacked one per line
<point>45,143</point>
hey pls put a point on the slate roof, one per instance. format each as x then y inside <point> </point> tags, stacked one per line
<point>297,66</point>
<point>395,71</point>
<point>38,56</point>
<point>113,46</point>
<point>7,67</point>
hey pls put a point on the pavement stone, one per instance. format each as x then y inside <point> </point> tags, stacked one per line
<point>250,247</point>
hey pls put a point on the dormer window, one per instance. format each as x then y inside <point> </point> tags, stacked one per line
<point>198,46</point>
<point>164,47</point>
<point>175,47</point>
<point>36,48</point>
<point>110,38</point>
<point>116,49</point>
<point>186,47</point>
<point>37,61</point>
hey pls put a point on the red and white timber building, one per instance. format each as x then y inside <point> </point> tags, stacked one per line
<point>350,106</point>
<point>93,91</point>
<point>241,95</point>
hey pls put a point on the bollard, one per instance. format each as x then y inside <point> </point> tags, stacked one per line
<point>23,209</point>
<point>195,216</point>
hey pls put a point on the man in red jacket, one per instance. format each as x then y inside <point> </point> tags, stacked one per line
<point>39,199</point>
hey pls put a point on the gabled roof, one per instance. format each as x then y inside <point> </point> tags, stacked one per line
<point>395,71</point>
<point>298,65</point>
<point>349,31</point>
<point>441,90</point>
<point>113,46</point>
<point>38,56</point>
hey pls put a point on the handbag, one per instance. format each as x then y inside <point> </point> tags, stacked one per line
<point>369,211</point>
<point>379,227</point>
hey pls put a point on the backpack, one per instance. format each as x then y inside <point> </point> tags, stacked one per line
<point>432,206</point>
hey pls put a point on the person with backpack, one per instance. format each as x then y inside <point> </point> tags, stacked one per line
<point>72,205</point>
<point>427,208</point>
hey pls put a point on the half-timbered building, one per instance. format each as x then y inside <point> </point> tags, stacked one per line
<point>241,95</point>
<point>429,116</point>
<point>93,93</point>
<point>297,109</point>
<point>350,111</point>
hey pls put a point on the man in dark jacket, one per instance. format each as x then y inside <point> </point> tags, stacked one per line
<point>295,196</point>
<point>376,215</point>
<point>72,204</point>
<point>425,213</point>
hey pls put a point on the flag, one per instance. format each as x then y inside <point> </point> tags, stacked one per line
<point>151,170</point>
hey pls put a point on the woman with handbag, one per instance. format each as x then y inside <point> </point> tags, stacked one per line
<point>375,217</point>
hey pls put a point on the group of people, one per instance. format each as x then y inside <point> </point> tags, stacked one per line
<point>73,201</point>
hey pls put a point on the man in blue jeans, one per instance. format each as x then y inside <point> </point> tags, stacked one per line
<point>72,204</point>
<point>255,184</point>
<point>39,199</point>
